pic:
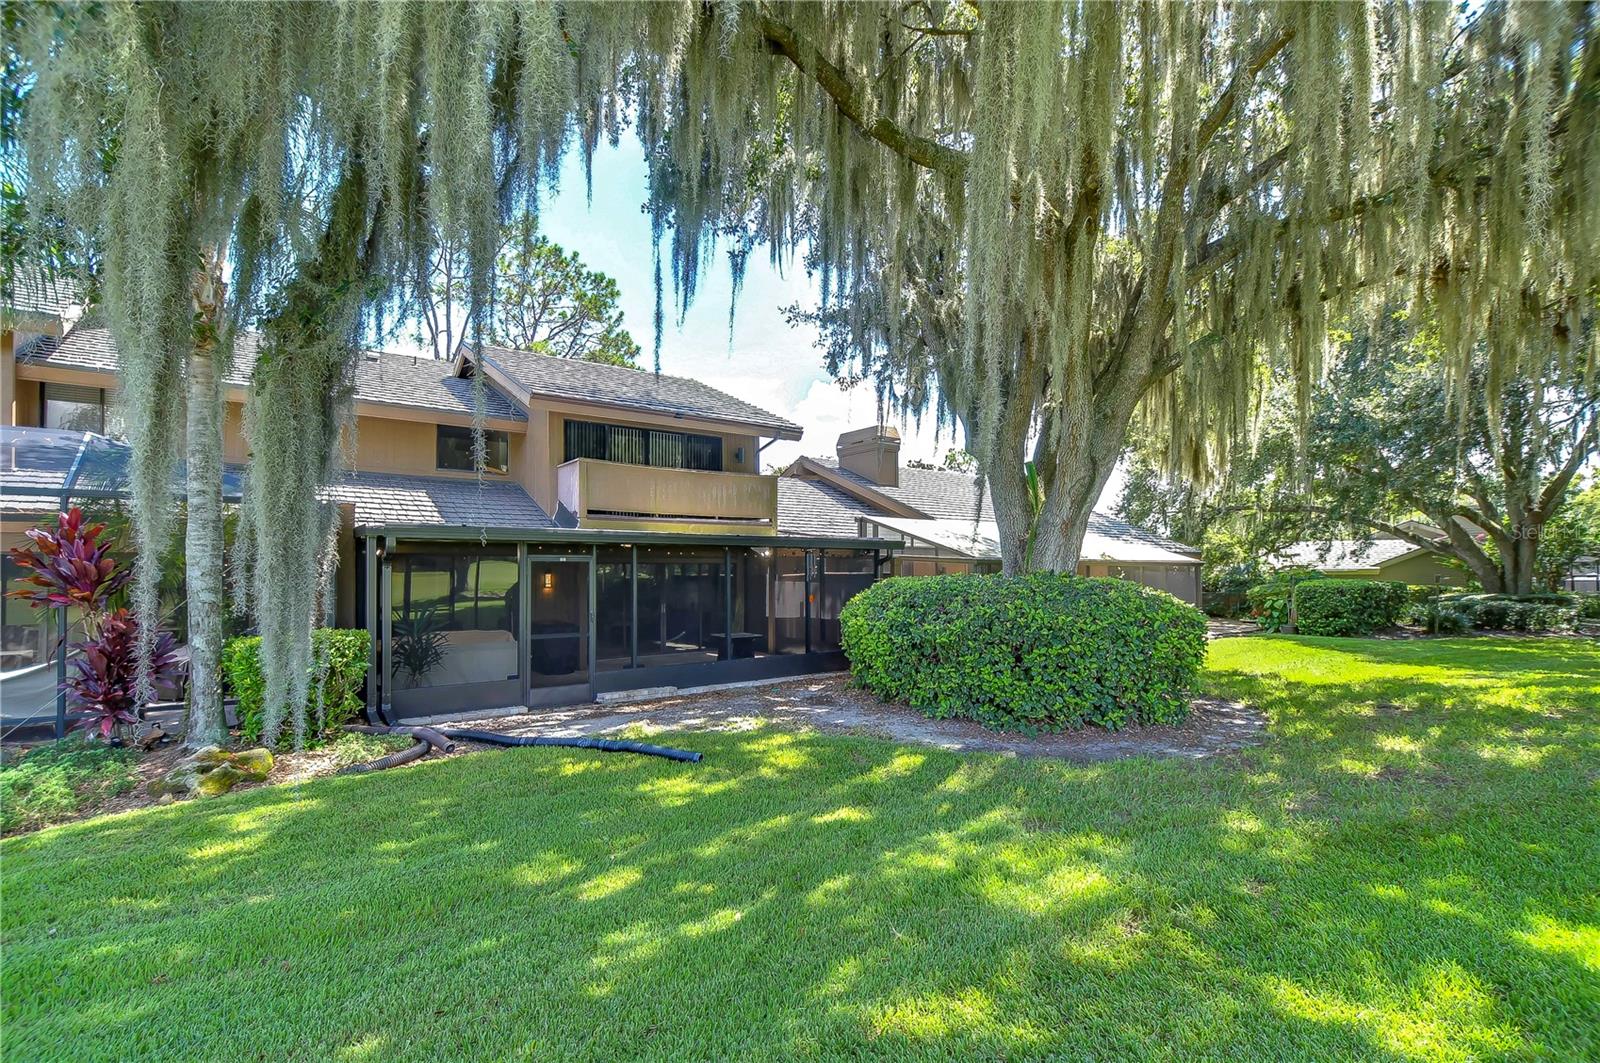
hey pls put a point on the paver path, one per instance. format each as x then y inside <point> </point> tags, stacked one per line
<point>828,703</point>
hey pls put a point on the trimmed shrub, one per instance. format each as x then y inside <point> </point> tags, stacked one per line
<point>1441,619</point>
<point>1040,652</point>
<point>1589,607</point>
<point>1535,616</point>
<point>1348,606</point>
<point>1533,613</point>
<point>343,691</point>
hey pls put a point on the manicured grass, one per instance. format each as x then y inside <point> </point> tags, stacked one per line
<point>52,782</point>
<point>1408,869</point>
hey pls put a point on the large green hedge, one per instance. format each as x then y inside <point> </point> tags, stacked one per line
<point>1348,606</point>
<point>343,691</point>
<point>1035,652</point>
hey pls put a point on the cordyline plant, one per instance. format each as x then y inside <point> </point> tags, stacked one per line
<point>104,679</point>
<point>73,568</point>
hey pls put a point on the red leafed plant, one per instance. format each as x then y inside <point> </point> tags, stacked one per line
<point>103,678</point>
<point>70,566</point>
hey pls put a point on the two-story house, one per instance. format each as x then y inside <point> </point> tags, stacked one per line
<point>622,535</point>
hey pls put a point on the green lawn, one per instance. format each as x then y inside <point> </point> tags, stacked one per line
<point>1408,868</point>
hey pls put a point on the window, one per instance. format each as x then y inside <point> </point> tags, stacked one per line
<point>27,635</point>
<point>455,617</point>
<point>643,446</point>
<point>74,407</point>
<point>455,449</point>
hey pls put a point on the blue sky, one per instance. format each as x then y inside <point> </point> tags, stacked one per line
<point>777,367</point>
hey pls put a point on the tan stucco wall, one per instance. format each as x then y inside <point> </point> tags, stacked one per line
<point>383,444</point>
<point>8,377</point>
<point>1425,569</point>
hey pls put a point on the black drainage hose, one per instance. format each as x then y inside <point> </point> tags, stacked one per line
<point>606,745</point>
<point>393,760</point>
<point>427,734</point>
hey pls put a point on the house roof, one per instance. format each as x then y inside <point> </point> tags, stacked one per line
<point>38,464</point>
<point>1107,539</point>
<point>381,377</point>
<point>632,389</point>
<point>948,496</point>
<point>394,499</point>
<point>34,301</point>
<point>1345,555</point>
<point>815,507</point>
<point>937,493</point>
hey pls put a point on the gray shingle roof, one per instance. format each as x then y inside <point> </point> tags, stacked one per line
<point>812,507</point>
<point>947,495</point>
<point>1344,555</point>
<point>632,389</point>
<point>932,492</point>
<point>33,295</point>
<point>393,499</point>
<point>387,378</point>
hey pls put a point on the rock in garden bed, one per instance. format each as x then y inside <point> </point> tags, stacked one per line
<point>212,771</point>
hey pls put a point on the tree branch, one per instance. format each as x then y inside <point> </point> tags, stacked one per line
<point>848,97</point>
<point>1586,445</point>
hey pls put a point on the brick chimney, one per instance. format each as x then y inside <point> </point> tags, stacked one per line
<point>873,453</point>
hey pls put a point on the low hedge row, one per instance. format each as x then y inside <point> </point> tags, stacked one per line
<point>1039,652</point>
<point>1530,613</point>
<point>343,690</point>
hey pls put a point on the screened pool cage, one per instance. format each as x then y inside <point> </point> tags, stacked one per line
<point>44,472</point>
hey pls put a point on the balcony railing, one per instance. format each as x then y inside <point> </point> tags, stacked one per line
<point>605,494</point>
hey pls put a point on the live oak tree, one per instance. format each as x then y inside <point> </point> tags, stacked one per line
<point>1086,210</point>
<point>1062,215</point>
<point>1388,439</point>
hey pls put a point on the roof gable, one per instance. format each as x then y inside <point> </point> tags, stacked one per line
<point>548,377</point>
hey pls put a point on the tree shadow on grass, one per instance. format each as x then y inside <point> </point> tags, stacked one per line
<point>801,896</point>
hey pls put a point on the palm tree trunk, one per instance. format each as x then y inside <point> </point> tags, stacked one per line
<point>202,539</point>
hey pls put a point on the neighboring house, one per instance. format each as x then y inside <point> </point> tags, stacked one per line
<point>1381,557</point>
<point>946,518</point>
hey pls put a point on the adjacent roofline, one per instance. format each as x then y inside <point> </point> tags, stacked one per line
<point>47,373</point>
<point>602,536</point>
<point>855,490</point>
<point>1374,566</point>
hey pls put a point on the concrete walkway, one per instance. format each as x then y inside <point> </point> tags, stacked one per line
<point>829,704</point>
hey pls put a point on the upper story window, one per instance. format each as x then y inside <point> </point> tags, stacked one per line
<point>73,407</point>
<point>643,446</point>
<point>455,449</point>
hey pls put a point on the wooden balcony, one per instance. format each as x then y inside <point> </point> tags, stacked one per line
<point>605,494</point>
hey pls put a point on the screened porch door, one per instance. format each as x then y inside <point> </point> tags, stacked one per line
<point>560,623</point>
